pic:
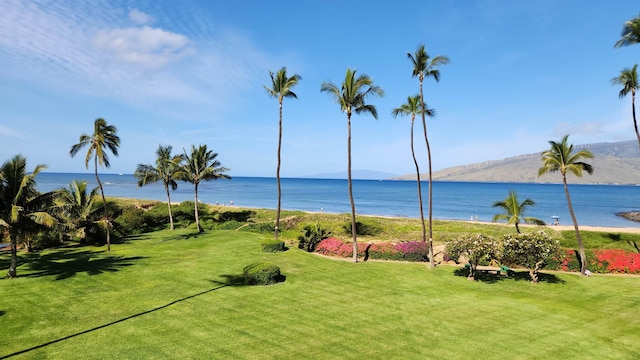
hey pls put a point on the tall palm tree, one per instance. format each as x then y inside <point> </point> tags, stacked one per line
<point>21,206</point>
<point>165,170</point>
<point>281,86</point>
<point>201,165</point>
<point>628,78</point>
<point>514,211</point>
<point>351,98</point>
<point>75,207</point>
<point>412,107</point>
<point>425,67</point>
<point>560,157</point>
<point>104,138</point>
<point>630,34</point>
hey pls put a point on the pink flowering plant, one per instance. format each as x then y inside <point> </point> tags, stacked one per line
<point>404,251</point>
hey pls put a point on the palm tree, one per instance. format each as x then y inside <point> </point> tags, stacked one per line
<point>630,34</point>
<point>75,207</point>
<point>201,165</point>
<point>425,67</point>
<point>562,158</point>
<point>351,98</point>
<point>628,78</point>
<point>22,207</point>
<point>412,107</point>
<point>104,138</point>
<point>281,86</point>
<point>165,170</point>
<point>514,211</point>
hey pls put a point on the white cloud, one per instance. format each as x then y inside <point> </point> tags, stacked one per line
<point>11,133</point>
<point>146,46</point>
<point>140,17</point>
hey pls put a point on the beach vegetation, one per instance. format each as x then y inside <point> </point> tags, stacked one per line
<point>351,96</point>
<point>103,139</point>
<point>532,250</point>
<point>23,210</point>
<point>412,107</point>
<point>165,170</point>
<point>76,209</point>
<point>514,211</point>
<point>475,249</point>
<point>200,164</point>
<point>281,87</point>
<point>561,158</point>
<point>272,245</point>
<point>424,67</point>
<point>313,234</point>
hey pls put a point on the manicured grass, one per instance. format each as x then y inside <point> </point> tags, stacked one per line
<point>175,295</point>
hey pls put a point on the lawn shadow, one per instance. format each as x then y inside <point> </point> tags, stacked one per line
<point>491,277</point>
<point>239,280</point>
<point>2,312</point>
<point>66,263</point>
<point>111,323</point>
<point>230,215</point>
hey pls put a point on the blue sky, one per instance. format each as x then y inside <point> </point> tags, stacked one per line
<point>192,72</point>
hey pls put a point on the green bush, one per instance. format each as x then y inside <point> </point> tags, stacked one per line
<point>364,228</point>
<point>313,234</point>
<point>272,246</point>
<point>262,273</point>
<point>184,212</point>
<point>132,221</point>
<point>262,227</point>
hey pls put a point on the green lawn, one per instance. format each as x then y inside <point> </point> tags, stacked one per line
<point>173,295</point>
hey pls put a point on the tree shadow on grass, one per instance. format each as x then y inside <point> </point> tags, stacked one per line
<point>66,263</point>
<point>2,312</point>
<point>112,323</point>
<point>491,277</point>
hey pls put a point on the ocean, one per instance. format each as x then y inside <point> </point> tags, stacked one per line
<point>594,205</point>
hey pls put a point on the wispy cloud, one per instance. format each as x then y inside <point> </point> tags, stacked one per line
<point>10,133</point>
<point>140,17</point>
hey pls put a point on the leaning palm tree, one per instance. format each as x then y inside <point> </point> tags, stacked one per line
<point>75,208</point>
<point>630,34</point>
<point>562,158</point>
<point>281,86</point>
<point>104,138</point>
<point>22,207</point>
<point>351,98</point>
<point>628,78</point>
<point>425,67</point>
<point>514,211</point>
<point>412,107</point>
<point>165,170</point>
<point>200,165</point>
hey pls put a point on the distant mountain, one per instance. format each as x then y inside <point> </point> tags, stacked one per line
<point>355,174</point>
<point>613,163</point>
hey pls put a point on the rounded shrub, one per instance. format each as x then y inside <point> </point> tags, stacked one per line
<point>262,273</point>
<point>272,246</point>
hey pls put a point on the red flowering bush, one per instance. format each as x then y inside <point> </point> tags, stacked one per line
<point>619,261</point>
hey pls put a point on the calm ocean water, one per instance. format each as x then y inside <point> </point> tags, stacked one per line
<point>594,205</point>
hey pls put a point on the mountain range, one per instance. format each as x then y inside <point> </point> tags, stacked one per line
<point>613,163</point>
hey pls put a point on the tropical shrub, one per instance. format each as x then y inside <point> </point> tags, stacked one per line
<point>336,247</point>
<point>619,261</point>
<point>261,227</point>
<point>475,248</point>
<point>131,221</point>
<point>272,246</point>
<point>530,250</point>
<point>413,250</point>
<point>404,251</point>
<point>313,234</point>
<point>261,273</point>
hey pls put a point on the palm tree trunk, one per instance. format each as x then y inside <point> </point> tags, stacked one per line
<point>432,263</point>
<point>14,256</point>
<point>277,229</point>
<point>200,229</point>
<point>104,202</point>
<point>633,110</point>
<point>413,153</point>
<point>166,188</point>
<point>583,256</point>
<point>353,205</point>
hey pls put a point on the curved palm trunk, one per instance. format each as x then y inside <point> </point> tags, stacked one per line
<point>277,229</point>
<point>200,229</point>
<point>633,110</point>
<point>166,188</point>
<point>415,161</point>
<point>426,139</point>
<point>104,202</point>
<point>583,256</point>
<point>517,228</point>
<point>353,205</point>
<point>14,256</point>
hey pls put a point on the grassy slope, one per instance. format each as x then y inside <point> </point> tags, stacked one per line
<point>163,298</point>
